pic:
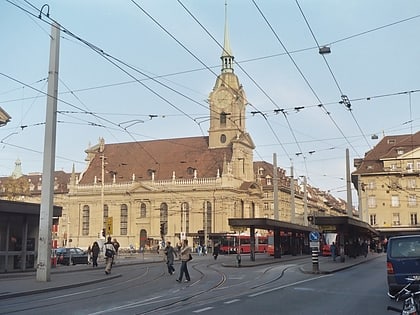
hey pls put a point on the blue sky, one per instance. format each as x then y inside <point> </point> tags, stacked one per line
<point>166,55</point>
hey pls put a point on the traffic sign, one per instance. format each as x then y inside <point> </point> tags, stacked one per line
<point>109,226</point>
<point>314,236</point>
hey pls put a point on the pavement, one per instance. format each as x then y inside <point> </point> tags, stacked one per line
<point>15,284</point>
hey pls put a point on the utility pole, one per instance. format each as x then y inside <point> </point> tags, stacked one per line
<point>276,188</point>
<point>43,271</point>
<point>292,196</point>
<point>305,202</point>
<point>102,223</point>
<point>349,199</point>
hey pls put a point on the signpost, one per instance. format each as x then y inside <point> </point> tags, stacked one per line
<point>314,243</point>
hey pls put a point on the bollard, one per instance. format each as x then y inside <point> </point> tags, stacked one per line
<point>315,260</point>
<point>238,260</point>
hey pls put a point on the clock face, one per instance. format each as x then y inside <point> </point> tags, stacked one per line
<point>223,96</point>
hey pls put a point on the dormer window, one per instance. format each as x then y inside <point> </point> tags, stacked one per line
<point>261,171</point>
<point>391,141</point>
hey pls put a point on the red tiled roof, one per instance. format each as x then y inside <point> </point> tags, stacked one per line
<point>387,148</point>
<point>163,157</point>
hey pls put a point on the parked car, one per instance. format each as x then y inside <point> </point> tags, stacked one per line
<point>71,255</point>
<point>403,261</point>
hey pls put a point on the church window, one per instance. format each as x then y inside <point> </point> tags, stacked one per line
<point>143,210</point>
<point>85,220</point>
<point>124,219</point>
<point>223,119</point>
<point>185,217</point>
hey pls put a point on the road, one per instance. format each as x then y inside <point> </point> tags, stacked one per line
<point>214,289</point>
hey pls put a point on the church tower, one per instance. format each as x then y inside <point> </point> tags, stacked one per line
<point>227,115</point>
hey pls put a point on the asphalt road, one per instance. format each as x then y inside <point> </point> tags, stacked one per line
<point>214,289</point>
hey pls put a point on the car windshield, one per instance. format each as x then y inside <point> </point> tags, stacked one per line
<point>406,247</point>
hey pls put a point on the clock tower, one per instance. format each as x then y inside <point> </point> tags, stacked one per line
<point>227,114</point>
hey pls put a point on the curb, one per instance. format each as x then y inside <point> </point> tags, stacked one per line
<point>17,294</point>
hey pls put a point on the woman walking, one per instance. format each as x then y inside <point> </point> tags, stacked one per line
<point>185,257</point>
<point>109,255</point>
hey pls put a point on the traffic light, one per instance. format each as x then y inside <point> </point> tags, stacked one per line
<point>103,233</point>
<point>163,229</point>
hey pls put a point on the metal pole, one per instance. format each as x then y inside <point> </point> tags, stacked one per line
<point>43,271</point>
<point>102,223</point>
<point>349,199</point>
<point>275,188</point>
<point>292,196</point>
<point>305,202</point>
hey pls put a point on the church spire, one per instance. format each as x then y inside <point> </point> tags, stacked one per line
<point>17,172</point>
<point>227,57</point>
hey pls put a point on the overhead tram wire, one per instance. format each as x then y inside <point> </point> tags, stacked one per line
<point>108,57</point>
<point>305,79</point>
<point>348,105</point>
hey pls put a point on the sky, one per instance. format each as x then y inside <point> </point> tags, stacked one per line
<point>143,70</point>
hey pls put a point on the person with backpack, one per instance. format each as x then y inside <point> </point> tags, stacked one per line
<point>109,251</point>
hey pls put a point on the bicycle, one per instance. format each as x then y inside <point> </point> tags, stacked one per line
<point>411,304</point>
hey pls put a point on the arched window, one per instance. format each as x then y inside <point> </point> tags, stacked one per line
<point>236,210</point>
<point>143,238</point>
<point>143,212</point>
<point>223,119</point>
<point>207,216</point>
<point>164,218</point>
<point>185,217</point>
<point>85,220</point>
<point>124,219</point>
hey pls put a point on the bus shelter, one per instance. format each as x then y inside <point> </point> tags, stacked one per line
<point>350,232</point>
<point>297,235</point>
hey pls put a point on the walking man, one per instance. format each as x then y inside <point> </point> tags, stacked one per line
<point>170,257</point>
<point>185,254</point>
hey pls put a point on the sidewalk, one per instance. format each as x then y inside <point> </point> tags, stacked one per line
<point>25,283</point>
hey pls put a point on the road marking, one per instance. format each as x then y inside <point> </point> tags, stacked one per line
<point>130,305</point>
<point>232,301</point>
<point>288,285</point>
<point>203,309</point>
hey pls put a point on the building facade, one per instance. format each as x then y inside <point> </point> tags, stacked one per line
<point>146,192</point>
<point>387,181</point>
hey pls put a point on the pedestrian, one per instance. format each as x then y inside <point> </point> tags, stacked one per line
<point>333,250</point>
<point>170,256</point>
<point>95,254</point>
<point>116,247</point>
<point>185,255</point>
<point>109,255</point>
<point>216,251</point>
<point>89,253</point>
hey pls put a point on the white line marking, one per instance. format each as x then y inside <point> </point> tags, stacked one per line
<point>232,301</point>
<point>203,310</point>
